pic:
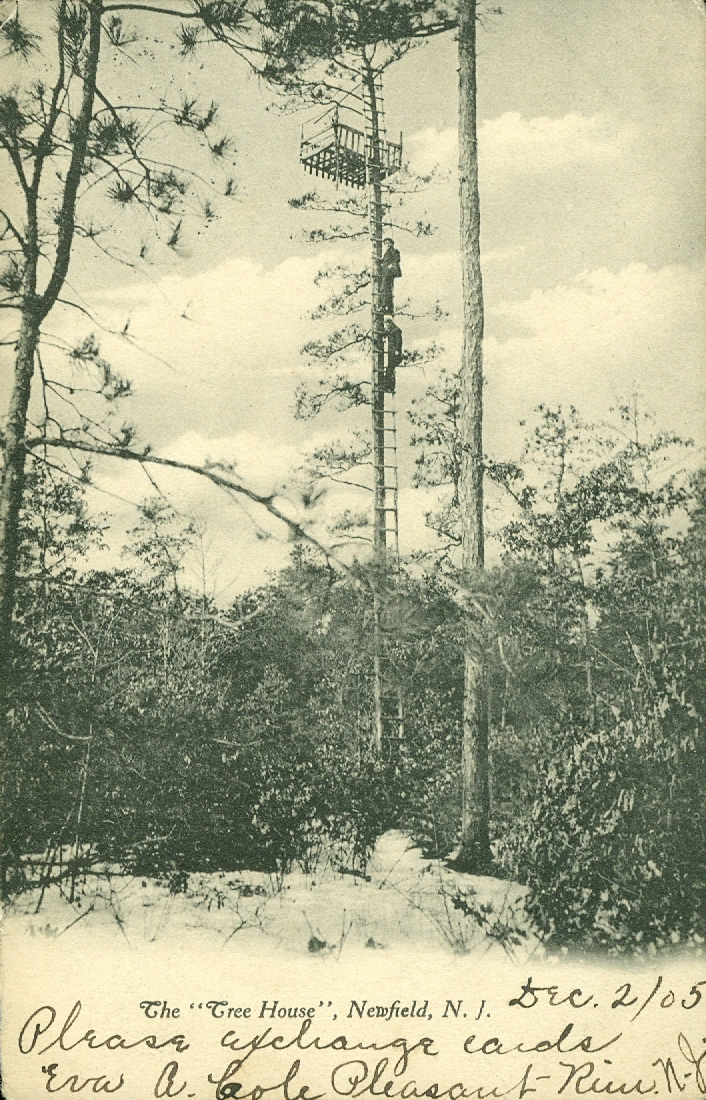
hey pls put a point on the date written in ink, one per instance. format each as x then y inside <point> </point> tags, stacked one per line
<point>626,996</point>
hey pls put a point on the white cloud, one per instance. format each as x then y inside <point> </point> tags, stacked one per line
<point>243,541</point>
<point>262,464</point>
<point>514,143</point>
<point>541,144</point>
<point>599,339</point>
<point>244,316</point>
<point>431,147</point>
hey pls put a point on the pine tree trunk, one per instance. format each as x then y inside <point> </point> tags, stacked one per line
<point>35,308</point>
<point>378,398</point>
<point>474,848</point>
<point>377,322</point>
<point>12,485</point>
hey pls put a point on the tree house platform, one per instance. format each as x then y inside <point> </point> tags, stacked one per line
<point>342,153</point>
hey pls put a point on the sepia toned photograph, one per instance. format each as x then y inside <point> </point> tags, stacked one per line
<point>353,511</point>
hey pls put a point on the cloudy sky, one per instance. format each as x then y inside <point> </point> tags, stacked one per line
<point>593,174</point>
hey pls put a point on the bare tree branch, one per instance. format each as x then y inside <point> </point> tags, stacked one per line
<point>151,8</point>
<point>210,472</point>
<point>15,232</point>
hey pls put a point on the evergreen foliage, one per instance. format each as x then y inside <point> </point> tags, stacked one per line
<point>154,733</point>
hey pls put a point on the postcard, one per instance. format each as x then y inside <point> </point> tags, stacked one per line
<point>352,548</point>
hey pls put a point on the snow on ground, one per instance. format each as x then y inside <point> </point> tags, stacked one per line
<point>404,901</point>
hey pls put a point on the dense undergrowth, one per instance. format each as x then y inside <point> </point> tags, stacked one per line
<point>153,732</point>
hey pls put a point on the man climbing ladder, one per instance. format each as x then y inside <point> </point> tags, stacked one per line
<point>390,270</point>
<point>393,336</point>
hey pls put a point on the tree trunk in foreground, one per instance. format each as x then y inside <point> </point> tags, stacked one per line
<point>474,848</point>
<point>34,309</point>
<point>12,485</point>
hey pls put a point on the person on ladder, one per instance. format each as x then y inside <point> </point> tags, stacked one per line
<point>394,354</point>
<point>390,270</point>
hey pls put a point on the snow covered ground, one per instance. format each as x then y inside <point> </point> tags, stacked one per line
<point>404,901</point>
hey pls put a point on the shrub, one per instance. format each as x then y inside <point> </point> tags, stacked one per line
<point>614,850</point>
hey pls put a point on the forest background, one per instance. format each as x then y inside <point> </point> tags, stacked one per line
<point>164,667</point>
